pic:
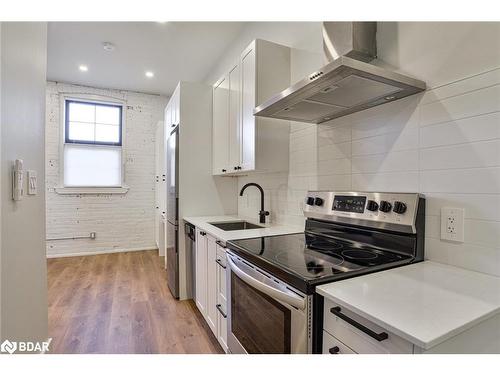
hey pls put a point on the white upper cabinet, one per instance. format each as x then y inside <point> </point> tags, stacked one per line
<point>247,161</point>
<point>234,118</point>
<point>242,142</point>
<point>220,130</point>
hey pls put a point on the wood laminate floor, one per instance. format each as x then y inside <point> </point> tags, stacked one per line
<point>120,303</point>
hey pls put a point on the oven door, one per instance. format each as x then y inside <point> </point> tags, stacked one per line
<point>265,315</point>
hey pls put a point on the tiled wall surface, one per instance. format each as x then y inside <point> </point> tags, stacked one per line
<point>444,143</point>
<point>121,221</point>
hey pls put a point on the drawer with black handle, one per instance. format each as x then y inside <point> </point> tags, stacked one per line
<point>360,334</point>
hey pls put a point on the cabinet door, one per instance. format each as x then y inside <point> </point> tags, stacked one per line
<point>220,130</point>
<point>221,298</point>
<point>201,272</point>
<point>211,284</point>
<point>175,102</point>
<point>234,119</point>
<point>247,106</point>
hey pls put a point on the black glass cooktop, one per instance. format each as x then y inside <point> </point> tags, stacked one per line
<point>314,259</point>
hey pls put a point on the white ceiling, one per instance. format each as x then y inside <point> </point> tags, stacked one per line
<point>174,51</point>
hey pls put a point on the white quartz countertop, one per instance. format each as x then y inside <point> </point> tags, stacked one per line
<point>425,303</point>
<point>203,222</point>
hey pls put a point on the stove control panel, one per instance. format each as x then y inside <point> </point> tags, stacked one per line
<point>349,203</point>
<point>396,211</point>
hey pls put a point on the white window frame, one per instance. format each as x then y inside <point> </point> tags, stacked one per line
<point>98,99</point>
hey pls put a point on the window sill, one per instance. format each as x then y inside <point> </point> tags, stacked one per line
<point>92,190</point>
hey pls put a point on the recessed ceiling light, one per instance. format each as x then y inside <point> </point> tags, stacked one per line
<point>149,74</point>
<point>108,46</point>
<point>83,68</point>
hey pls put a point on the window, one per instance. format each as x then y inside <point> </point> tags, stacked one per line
<point>92,144</point>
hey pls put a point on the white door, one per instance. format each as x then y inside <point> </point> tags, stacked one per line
<point>201,272</point>
<point>211,284</point>
<point>220,131</point>
<point>221,298</point>
<point>247,106</point>
<point>234,119</point>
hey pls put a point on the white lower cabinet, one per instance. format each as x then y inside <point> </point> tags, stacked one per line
<point>221,297</point>
<point>333,346</point>
<point>211,284</point>
<point>210,279</point>
<point>201,272</point>
<point>355,334</point>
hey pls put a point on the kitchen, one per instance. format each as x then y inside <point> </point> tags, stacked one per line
<point>297,188</point>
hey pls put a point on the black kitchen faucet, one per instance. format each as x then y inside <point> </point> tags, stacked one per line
<point>262,213</point>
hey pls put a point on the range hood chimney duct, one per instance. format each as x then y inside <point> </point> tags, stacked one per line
<point>357,40</point>
<point>347,84</point>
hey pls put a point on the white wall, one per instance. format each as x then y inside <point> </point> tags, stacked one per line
<point>444,143</point>
<point>122,222</point>
<point>23,265</point>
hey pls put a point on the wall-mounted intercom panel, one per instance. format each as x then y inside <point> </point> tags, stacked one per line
<point>17,180</point>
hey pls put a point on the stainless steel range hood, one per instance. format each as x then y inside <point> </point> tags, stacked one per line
<point>346,85</point>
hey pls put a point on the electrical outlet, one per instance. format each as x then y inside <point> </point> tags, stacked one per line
<point>452,224</point>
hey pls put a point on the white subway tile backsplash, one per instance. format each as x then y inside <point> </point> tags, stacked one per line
<point>389,162</point>
<point>474,103</point>
<point>385,181</point>
<point>397,141</point>
<point>473,257</point>
<point>473,129</point>
<point>329,136</point>
<point>331,167</point>
<point>390,118</point>
<point>335,151</point>
<point>477,206</point>
<point>334,182</point>
<point>467,155</point>
<point>477,82</point>
<point>477,180</point>
<point>477,232</point>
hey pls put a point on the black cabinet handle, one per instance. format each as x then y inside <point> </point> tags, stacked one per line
<point>224,170</point>
<point>220,243</point>
<point>219,262</point>
<point>235,168</point>
<point>203,233</point>
<point>334,350</point>
<point>377,336</point>
<point>219,307</point>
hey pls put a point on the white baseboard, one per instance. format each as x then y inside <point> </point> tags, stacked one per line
<point>99,252</point>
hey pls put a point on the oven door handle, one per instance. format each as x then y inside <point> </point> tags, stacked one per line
<point>265,287</point>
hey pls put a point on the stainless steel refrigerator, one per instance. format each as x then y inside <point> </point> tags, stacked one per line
<point>172,253</point>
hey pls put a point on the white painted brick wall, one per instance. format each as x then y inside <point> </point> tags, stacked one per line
<point>444,143</point>
<point>121,221</point>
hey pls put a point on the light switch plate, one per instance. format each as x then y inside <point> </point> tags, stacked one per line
<point>32,183</point>
<point>452,224</point>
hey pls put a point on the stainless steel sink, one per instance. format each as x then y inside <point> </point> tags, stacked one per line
<point>235,225</point>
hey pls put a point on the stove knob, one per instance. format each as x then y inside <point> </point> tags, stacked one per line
<point>385,206</point>
<point>399,207</point>
<point>372,206</point>
<point>318,201</point>
<point>310,201</point>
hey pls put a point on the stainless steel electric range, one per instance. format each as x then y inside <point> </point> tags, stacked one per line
<point>271,280</point>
